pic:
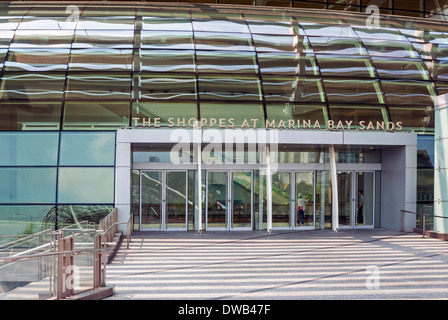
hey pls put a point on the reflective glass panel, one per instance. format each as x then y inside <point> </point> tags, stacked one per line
<point>27,219</point>
<point>86,185</point>
<point>432,51</point>
<point>400,69</point>
<point>27,185</point>
<point>281,210</point>
<point>87,148</point>
<point>287,63</point>
<point>108,22</point>
<point>166,40</point>
<point>166,86</point>
<point>234,114</point>
<point>216,13</point>
<point>2,57</point>
<point>379,33</point>
<point>71,214</point>
<point>32,86</point>
<point>9,22</point>
<point>217,199</point>
<point>396,49</point>
<point>100,115</point>
<point>413,118</point>
<point>227,87</point>
<point>438,69</point>
<point>151,199</point>
<point>37,60</point>
<point>406,92</point>
<point>46,23</point>
<point>364,198</point>
<point>101,60</point>
<point>344,66</point>
<point>30,116</point>
<point>348,90</point>
<point>176,114</point>
<point>296,116</point>
<point>274,43</point>
<point>98,86</point>
<point>323,199</point>
<point>109,9</point>
<point>241,199</point>
<point>362,118</point>
<point>174,24</point>
<point>103,38</point>
<point>220,26</point>
<point>176,199</point>
<point>227,61</point>
<point>337,45</point>
<point>42,39</point>
<point>293,89</point>
<point>29,148</point>
<point>345,198</point>
<point>304,199</point>
<point>325,30</point>
<point>223,41</point>
<point>5,37</point>
<point>166,61</point>
<point>266,27</point>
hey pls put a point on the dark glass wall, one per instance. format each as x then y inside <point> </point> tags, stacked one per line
<point>50,179</point>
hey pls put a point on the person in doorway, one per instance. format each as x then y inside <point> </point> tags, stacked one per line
<point>300,210</point>
<point>360,207</point>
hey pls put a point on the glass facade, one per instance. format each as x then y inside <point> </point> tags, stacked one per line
<point>116,62</point>
<point>67,83</point>
<point>50,179</point>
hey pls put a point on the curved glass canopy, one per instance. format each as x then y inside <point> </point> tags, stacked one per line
<point>98,69</point>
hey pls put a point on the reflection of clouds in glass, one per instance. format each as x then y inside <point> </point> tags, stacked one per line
<point>86,185</point>
<point>87,148</point>
<point>101,148</point>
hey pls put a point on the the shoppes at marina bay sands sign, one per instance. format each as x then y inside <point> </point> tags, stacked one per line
<point>251,123</point>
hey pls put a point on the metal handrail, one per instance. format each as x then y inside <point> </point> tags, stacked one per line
<point>402,212</point>
<point>65,258</point>
<point>109,226</point>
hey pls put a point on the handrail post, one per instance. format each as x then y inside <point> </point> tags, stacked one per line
<point>423,221</point>
<point>401,220</point>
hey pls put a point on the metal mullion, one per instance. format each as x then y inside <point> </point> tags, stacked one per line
<point>135,49</point>
<point>260,78</point>
<point>198,104</point>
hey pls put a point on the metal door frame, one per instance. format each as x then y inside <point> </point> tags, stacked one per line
<point>164,210</point>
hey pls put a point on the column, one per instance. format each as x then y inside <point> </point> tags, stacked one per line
<point>334,191</point>
<point>441,165</point>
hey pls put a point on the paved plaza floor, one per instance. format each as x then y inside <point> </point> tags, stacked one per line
<point>320,264</point>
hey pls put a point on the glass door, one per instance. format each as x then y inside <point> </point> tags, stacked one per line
<point>281,208</point>
<point>217,190</point>
<point>365,199</point>
<point>151,200</point>
<point>176,200</point>
<point>345,197</point>
<point>304,201</point>
<point>241,199</point>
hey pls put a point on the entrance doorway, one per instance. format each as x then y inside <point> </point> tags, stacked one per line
<point>163,203</point>
<point>356,194</point>
<point>229,200</point>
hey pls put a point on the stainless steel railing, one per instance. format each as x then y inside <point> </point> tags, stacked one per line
<point>59,264</point>
<point>422,215</point>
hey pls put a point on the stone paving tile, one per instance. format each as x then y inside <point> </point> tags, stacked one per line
<point>321,264</point>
